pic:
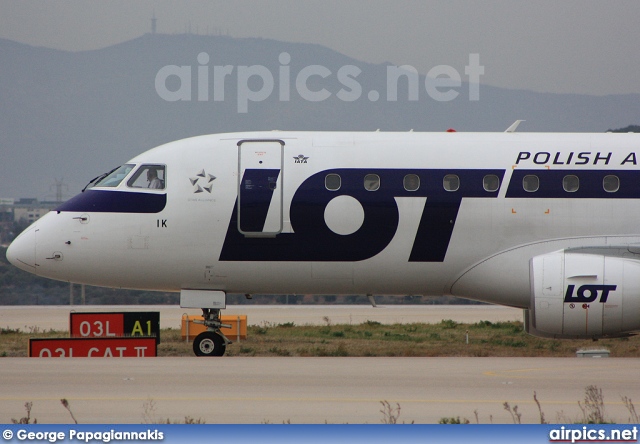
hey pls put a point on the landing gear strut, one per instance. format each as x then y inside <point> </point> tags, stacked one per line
<point>211,342</point>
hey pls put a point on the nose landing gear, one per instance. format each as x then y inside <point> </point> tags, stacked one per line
<point>211,342</point>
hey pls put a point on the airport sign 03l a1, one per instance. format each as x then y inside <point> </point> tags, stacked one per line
<point>115,325</point>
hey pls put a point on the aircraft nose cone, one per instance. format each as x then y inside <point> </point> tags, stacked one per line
<point>22,251</point>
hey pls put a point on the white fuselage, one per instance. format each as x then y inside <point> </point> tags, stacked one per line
<point>289,233</point>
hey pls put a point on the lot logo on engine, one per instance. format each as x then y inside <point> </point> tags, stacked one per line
<point>588,293</point>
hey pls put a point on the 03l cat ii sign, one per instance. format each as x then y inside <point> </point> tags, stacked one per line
<point>93,348</point>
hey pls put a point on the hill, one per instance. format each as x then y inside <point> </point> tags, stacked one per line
<point>77,114</point>
<point>627,129</point>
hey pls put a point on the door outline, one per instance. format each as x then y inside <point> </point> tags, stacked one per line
<point>275,159</point>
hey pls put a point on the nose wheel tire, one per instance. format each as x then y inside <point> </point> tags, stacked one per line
<point>209,343</point>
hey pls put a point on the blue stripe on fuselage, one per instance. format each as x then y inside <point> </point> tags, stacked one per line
<point>590,186</point>
<point>103,201</point>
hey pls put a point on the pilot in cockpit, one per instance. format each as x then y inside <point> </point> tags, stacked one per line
<point>152,177</point>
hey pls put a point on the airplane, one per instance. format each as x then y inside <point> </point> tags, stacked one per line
<point>546,222</point>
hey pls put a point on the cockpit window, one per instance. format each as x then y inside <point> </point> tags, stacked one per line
<point>148,176</point>
<point>112,178</point>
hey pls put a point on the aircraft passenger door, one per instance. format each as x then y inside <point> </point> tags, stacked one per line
<point>260,187</point>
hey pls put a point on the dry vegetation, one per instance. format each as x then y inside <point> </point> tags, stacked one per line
<point>593,412</point>
<point>446,338</point>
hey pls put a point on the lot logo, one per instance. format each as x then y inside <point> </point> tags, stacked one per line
<point>312,239</point>
<point>588,293</point>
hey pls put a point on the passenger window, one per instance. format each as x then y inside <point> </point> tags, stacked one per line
<point>571,183</point>
<point>148,176</point>
<point>332,182</point>
<point>411,182</point>
<point>451,182</point>
<point>371,182</point>
<point>530,183</point>
<point>491,183</point>
<point>611,184</point>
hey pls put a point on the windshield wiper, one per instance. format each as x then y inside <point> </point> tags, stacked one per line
<point>98,178</point>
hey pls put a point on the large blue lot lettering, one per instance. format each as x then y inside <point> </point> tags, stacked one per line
<point>312,240</point>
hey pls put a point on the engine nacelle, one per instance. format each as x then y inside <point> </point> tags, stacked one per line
<point>583,296</point>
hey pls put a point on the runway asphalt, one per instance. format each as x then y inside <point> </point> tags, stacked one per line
<point>311,390</point>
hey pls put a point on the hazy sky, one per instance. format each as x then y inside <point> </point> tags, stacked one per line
<point>574,46</point>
